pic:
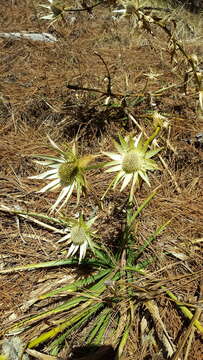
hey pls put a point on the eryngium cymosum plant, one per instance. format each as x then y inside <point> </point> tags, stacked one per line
<point>100,307</point>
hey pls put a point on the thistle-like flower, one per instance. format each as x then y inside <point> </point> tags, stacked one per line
<point>80,235</point>
<point>66,171</point>
<point>132,162</point>
<point>128,9</point>
<point>55,8</point>
<point>160,120</point>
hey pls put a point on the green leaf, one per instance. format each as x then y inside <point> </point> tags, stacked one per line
<point>124,338</point>
<point>42,265</point>
<point>76,285</point>
<point>98,339</point>
<point>98,323</point>
<point>142,248</point>
<point>140,208</point>
<point>55,346</point>
<point>57,329</point>
<point>105,256</point>
<point>188,314</point>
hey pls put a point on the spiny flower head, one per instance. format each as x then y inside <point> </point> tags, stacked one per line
<point>160,120</point>
<point>67,171</point>
<point>132,162</point>
<point>55,8</point>
<point>80,235</point>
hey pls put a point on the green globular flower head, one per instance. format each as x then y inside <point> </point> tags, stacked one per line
<point>55,8</point>
<point>132,161</point>
<point>78,235</point>
<point>67,173</point>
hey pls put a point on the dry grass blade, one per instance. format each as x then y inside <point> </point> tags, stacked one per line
<point>190,330</point>
<point>160,327</point>
<point>40,356</point>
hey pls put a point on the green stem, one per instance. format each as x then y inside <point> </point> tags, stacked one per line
<point>184,309</point>
<point>140,208</point>
<point>152,137</point>
<point>33,214</point>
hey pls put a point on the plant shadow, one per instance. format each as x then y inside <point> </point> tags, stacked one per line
<point>93,352</point>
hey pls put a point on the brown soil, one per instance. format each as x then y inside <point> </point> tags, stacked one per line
<point>36,101</point>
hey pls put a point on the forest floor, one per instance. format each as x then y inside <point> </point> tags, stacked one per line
<point>41,87</point>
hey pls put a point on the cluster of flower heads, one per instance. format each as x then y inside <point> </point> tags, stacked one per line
<point>67,173</point>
